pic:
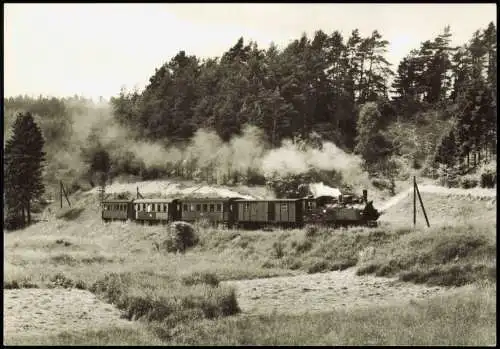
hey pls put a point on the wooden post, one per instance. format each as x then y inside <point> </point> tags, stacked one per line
<point>414,201</point>
<point>60,192</point>
<point>65,195</point>
<point>422,204</point>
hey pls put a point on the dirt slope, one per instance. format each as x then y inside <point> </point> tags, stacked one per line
<point>442,205</point>
<point>32,312</point>
<point>325,292</point>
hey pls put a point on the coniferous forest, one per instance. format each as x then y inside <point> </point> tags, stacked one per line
<point>435,112</point>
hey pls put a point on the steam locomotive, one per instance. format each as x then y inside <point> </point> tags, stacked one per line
<point>236,212</point>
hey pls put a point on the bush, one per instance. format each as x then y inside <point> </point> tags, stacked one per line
<point>159,298</point>
<point>303,246</point>
<point>311,230</point>
<point>488,176</point>
<point>60,280</point>
<point>278,248</point>
<point>468,182</point>
<point>182,236</point>
<point>17,284</point>
<point>13,221</point>
<point>201,278</point>
<point>384,184</point>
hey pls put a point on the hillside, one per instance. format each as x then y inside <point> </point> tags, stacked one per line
<point>442,206</point>
<point>259,271</point>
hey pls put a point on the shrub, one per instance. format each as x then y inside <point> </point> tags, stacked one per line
<point>278,249</point>
<point>13,221</point>
<point>344,264</point>
<point>159,298</point>
<point>460,246</point>
<point>311,230</point>
<point>303,246</point>
<point>63,242</point>
<point>382,184</point>
<point>450,275</point>
<point>201,278</point>
<point>15,284</point>
<point>60,280</point>
<point>64,259</point>
<point>468,182</point>
<point>317,267</point>
<point>70,214</point>
<point>182,236</point>
<point>488,176</point>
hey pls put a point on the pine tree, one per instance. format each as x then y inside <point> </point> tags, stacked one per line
<point>372,145</point>
<point>23,167</point>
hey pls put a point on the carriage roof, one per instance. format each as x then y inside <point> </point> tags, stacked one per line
<point>116,201</point>
<point>153,201</point>
<point>269,200</point>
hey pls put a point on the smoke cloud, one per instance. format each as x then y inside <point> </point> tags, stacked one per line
<point>205,155</point>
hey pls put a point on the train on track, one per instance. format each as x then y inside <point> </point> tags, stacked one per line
<point>344,210</point>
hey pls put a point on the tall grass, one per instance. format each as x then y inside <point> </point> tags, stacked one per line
<point>155,297</point>
<point>465,318</point>
<point>446,256</point>
<point>179,297</point>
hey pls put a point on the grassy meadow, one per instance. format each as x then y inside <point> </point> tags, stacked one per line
<point>178,298</point>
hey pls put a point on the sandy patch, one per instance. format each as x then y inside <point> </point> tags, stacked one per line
<point>33,312</point>
<point>325,292</point>
<point>476,193</point>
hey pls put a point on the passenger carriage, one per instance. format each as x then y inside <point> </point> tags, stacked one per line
<point>155,210</point>
<point>259,213</point>
<point>117,210</point>
<point>214,210</point>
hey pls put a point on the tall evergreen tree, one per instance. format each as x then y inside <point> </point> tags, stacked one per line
<point>23,166</point>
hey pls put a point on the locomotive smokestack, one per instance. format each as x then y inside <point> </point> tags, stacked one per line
<point>365,195</point>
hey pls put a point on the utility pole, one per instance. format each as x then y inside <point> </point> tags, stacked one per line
<point>414,201</point>
<point>62,191</point>
<point>415,193</point>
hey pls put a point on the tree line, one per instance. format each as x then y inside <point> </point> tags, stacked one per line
<point>321,84</point>
<point>436,110</point>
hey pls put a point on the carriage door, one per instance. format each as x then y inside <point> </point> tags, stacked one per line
<point>271,211</point>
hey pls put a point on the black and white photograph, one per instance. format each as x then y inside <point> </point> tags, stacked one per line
<point>233,174</point>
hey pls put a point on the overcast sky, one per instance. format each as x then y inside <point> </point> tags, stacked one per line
<point>95,49</point>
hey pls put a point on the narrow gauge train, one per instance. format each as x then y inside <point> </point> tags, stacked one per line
<point>244,213</point>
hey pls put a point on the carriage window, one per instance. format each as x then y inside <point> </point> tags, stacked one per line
<point>205,207</point>
<point>247,206</point>
<point>149,208</point>
<point>219,207</point>
<point>198,207</point>
<point>284,207</point>
<point>309,205</point>
<point>212,207</point>
<point>185,207</point>
<point>136,207</point>
<point>192,208</point>
<point>165,207</point>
